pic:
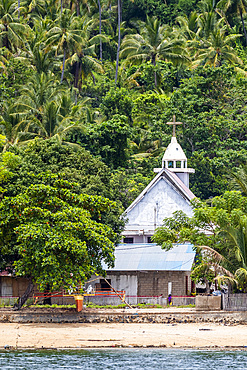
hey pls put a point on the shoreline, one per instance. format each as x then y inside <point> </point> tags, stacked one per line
<point>189,336</point>
<point>33,349</point>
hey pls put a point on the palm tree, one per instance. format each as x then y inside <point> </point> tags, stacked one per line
<point>9,119</point>
<point>208,18</point>
<point>217,47</point>
<point>83,61</point>
<point>239,179</point>
<point>234,7</point>
<point>34,8</point>
<point>189,28</point>
<point>100,26</point>
<point>119,37</point>
<point>237,237</point>
<point>154,42</point>
<point>65,36</point>
<point>46,110</point>
<point>34,53</point>
<point>12,32</point>
<point>144,146</point>
<point>34,99</point>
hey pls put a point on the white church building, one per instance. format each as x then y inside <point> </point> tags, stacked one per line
<point>166,193</point>
<point>142,268</point>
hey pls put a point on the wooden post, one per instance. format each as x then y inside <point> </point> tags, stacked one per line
<point>122,298</point>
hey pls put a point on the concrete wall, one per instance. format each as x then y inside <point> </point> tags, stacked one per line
<point>140,287</point>
<point>155,283</point>
<point>208,303</point>
<point>6,286</point>
<point>13,286</point>
<point>128,283</point>
<point>234,302</point>
<point>144,287</point>
<point>126,316</point>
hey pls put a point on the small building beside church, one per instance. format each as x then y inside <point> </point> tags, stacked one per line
<point>142,268</point>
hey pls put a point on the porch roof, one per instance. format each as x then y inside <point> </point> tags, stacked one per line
<point>150,257</point>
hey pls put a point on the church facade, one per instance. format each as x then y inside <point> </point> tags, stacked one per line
<point>142,268</point>
<point>166,193</point>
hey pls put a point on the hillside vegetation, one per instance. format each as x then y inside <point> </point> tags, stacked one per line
<point>107,76</point>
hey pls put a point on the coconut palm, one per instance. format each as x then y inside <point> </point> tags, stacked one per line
<point>237,238</point>
<point>239,179</point>
<point>83,61</point>
<point>189,28</point>
<point>65,36</point>
<point>9,119</point>
<point>217,47</point>
<point>47,110</point>
<point>144,146</point>
<point>119,5</point>
<point>34,53</point>
<point>12,32</point>
<point>208,18</point>
<point>33,7</point>
<point>153,42</point>
<point>31,105</point>
<point>231,8</point>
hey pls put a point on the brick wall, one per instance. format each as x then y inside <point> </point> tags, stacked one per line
<point>156,283</point>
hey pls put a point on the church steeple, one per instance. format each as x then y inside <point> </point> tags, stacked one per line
<point>174,158</point>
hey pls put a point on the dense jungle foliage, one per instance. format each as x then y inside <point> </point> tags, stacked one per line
<point>106,76</point>
<point>86,89</point>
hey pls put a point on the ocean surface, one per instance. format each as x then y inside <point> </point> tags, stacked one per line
<point>124,359</point>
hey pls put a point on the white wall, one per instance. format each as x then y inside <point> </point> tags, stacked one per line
<point>119,282</point>
<point>124,282</point>
<point>165,199</point>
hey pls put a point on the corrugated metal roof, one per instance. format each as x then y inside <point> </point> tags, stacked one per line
<point>136,257</point>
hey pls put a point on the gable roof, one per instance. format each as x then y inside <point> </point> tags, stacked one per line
<point>172,179</point>
<point>150,257</point>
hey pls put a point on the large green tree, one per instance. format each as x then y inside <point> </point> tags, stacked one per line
<point>54,236</point>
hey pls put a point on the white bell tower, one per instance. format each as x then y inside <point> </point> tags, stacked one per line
<point>174,158</point>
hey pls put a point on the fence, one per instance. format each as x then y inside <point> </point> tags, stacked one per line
<point>234,302</point>
<point>133,300</point>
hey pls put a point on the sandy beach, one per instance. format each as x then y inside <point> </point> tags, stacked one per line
<point>122,335</point>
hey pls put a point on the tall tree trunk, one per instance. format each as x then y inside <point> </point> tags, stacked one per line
<point>19,4</point>
<point>207,286</point>
<point>94,82</point>
<point>77,8</point>
<point>76,74</point>
<point>119,38</point>
<point>155,75</point>
<point>100,24</point>
<point>23,299</point>
<point>64,55</point>
<point>61,6</point>
<point>242,20</point>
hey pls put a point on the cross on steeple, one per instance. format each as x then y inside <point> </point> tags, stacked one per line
<point>174,123</point>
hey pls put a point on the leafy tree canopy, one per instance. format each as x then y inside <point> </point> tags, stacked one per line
<point>54,236</point>
<point>219,228</point>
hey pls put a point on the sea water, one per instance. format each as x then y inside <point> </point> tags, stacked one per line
<point>123,359</point>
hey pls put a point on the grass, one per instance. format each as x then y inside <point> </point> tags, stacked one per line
<point>53,306</point>
<point>93,305</point>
